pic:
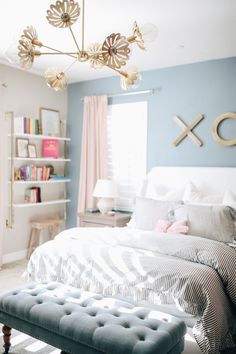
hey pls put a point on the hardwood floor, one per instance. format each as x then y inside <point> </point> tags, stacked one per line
<point>12,275</point>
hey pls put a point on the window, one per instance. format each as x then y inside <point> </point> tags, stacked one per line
<point>127,149</point>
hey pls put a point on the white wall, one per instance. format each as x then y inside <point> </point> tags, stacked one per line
<point>25,94</point>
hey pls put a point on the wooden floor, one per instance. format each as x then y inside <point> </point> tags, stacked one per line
<point>14,275</point>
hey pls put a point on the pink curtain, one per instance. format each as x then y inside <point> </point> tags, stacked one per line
<point>93,163</point>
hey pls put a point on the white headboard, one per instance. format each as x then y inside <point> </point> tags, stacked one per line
<point>210,179</point>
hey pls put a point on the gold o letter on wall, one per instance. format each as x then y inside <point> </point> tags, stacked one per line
<point>215,127</point>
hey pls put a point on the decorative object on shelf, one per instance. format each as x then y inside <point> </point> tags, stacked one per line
<point>113,53</point>
<point>106,191</point>
<point>32,152</point>
<point>187,130</point>
<point>51,170</point>
<point>17,174</point>
<point>215,129</point>
<point>22,147</point>
<point>58,178</point>
<point>50,148</point>
<point>49,122</point>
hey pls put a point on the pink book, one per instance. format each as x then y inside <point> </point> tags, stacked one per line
<point>50,148</point>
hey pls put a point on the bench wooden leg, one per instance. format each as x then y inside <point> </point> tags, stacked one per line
<point>7,338</point>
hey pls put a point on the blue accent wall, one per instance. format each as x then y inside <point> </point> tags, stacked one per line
<point>207,88</point>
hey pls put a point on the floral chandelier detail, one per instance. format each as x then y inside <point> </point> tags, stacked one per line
<point>113,53</point>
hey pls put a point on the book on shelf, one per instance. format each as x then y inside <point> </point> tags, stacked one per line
<point>33,195</point>
<point>31,125</point>
<point>34,173</point>
<point>19,125</point>
<point>50,148</point>
<point>26,125</point>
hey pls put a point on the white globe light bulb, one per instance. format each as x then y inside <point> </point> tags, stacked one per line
<point>133,79</point>
<point>11,53</point>
<point>149,32</point>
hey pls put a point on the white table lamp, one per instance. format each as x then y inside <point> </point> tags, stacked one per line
<point>106,191</point>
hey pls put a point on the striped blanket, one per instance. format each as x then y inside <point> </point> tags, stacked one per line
<point>195,274</point>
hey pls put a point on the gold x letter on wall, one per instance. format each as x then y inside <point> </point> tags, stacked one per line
<point>187,130</point>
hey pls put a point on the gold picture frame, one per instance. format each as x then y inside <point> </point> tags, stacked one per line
<point>32,151</point>
<point>49,122</point>
<point>22,147</point>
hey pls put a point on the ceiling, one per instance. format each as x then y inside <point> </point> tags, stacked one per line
<point>188,31</point>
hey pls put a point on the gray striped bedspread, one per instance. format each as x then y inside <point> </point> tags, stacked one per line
<point>196,274</point>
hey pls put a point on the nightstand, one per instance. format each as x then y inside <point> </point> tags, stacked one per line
<point>101,220</point>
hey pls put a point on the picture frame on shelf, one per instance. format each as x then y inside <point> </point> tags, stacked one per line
<point>32,151</point>
<point>22,147</point>
<point>49,121</point>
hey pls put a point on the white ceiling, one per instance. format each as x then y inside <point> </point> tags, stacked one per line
<point>188,31</point>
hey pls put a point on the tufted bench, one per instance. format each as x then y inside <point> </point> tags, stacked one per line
<point>81,322</point>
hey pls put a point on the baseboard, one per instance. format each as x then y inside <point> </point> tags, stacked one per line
<point>13,257</point>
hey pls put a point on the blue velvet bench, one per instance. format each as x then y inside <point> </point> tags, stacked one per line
<point>81,322</point>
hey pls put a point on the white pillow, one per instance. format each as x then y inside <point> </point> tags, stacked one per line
<point>162,192</point>
<point>148,211</point>
<point>174,195</point>
<point>194,195</point>
<point>229,199</point>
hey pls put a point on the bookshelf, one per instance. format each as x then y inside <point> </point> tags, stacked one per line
<point>44,176</point>
<point>38,159</point>
<point>38,136</point>
<point>51,202</point>
<point>66,180</point>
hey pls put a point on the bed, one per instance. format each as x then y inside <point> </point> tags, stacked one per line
<point>191,276</point>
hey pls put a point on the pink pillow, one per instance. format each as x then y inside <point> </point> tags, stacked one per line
<point>178,227</point>
<point>162,225</point>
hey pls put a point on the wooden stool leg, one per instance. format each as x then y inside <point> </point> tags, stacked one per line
<point>39,238</point>
<point>7,338</point>
<point>51,232</point>
<point>34,241</point>
<point>31,242</point>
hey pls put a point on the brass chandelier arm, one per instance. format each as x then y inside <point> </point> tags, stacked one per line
<point>83,26</point>
<point>69,66</point>
<point>121,72</point>
<point>72,54</point>
<point>131,39</point>
<point>92,54</point>
<point>75,40</point>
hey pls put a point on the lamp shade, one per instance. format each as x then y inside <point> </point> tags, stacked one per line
<point>105,188</point>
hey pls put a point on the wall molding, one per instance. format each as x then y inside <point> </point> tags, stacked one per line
<point>14,256</point>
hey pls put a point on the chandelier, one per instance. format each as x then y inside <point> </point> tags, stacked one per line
<point>113,53</point>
